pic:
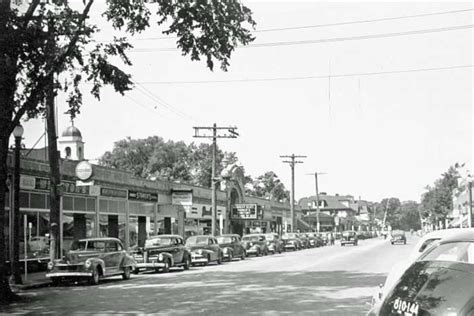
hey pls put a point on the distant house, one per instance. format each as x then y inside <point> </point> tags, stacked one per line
<point>337,212</point>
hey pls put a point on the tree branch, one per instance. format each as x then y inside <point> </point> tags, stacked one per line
<point>29,13</point>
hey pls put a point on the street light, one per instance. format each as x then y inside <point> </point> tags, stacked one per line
<point>15,263</point>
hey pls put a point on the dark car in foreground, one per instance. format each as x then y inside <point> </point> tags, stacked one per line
<point>398,237</point>
<point>232,247</point>
<point>204,249</point>
<point>349,237</point>
<point>161,253</point>
<point>440,282</point>
<point>92,259</point>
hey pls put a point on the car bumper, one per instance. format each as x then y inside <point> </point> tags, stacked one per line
<point>290,246</point>
<point>68,274</point>
<point>145,265</point>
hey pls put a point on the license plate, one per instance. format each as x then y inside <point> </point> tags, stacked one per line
<point>405,308</point>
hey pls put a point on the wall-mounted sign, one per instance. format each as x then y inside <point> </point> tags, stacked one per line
<point>27,182</point>
<point>246,211</point>
<point>142,196</point>
<point>113,193</point>
<point>182,197</point>
<point>43,184</point>
<point>83,170</point>
<point>201,211</point>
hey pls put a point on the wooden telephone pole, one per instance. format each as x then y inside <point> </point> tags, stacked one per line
<point>231,134</point>
<point>292,163</point>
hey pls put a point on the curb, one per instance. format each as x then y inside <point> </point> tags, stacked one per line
<point>24,287</point>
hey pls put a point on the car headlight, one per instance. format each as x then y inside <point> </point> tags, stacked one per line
<point>87,264</point>
<point>225,250</point>
<point>199,251</point>
<point>50,265</point>
<point>160,257</point>
<point>251,244</point>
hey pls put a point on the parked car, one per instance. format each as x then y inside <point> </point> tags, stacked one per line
<point>255,244</point>
<point>304,240</point>
<point>314,240</point>
<point>439,282</point>
<point>349,237</point>
<point>232,247</point>
<point>204,249</point>
<point>274,243</point>
<point>324,238</point>
<point>161,253</point>
<point>398,237</point>
<point>399,268</point>
<point>92,259</point>
<point>291,241</point>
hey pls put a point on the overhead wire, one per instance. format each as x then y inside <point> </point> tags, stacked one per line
<point>360,74</point>
<point>327,40</point>
<point>334,24</point>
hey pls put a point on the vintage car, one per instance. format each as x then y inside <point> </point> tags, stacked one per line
<point>92,259</point>
<point>421,246</point>
<point>349,237</point>
<point>314,241</point>
<point>161,253</point>
<point>324,239</point>
<point>439,282</point>
<point>204,249</point>
<point>398,237</point>
<point>304,240</point>
<point>255,244</point>
<point>274,243</point>
<point>291,241</point>
<point>232,247</point>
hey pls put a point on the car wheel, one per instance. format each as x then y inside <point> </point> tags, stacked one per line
<point>187,263</point>
<point>166,268</point>
<point>230,257</point>
<point>392,243</point>
<point>126,273</point>
<point>136,271</point>
<point>94,279</point>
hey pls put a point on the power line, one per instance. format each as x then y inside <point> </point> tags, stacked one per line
<point>326,40</point>
<point>332,24</point>
<point>360,74</point>
<point>141,105</point>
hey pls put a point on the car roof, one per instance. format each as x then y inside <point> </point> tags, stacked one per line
<point>229,235</point>
<point>101,239</point>
<point>465,235</point>
<point>167,235</point>
<point>207,236</point>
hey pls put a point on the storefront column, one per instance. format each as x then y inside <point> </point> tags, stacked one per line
<point>127,223</point>
<point>97,222</point>
<point>155,230</point>
<point>142,233</point>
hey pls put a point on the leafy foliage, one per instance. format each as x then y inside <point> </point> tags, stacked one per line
<point>269,185</point>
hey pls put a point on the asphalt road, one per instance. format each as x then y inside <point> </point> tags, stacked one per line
<point>331,280</point>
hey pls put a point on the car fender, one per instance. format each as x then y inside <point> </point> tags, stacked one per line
<point>229,250</point>
<point>128,261</point>
<point>96,262</point>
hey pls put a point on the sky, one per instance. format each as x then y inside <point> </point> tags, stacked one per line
<point>375,136</point>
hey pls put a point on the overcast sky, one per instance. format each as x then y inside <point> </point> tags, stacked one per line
<point>376,136</point>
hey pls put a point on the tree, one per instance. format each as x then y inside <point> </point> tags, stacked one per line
<point>437,201</point>
<point>269,185</point>
<point>57,38</point>
<point>388,208</point>
<point>409,216</point>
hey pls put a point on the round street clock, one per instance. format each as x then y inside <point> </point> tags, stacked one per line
<point>83,170</point>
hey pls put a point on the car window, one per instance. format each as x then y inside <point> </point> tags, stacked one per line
<point>225,239</point>
<point>96,245</point>
<point>78,245</point>
<point>158,241</point>
<point>196,240</point>
<point>250,238</point>
<point>453,251</point>
<point>110,246</point>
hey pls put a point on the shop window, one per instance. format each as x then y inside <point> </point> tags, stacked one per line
<point>68,231</point>
<point>79,204</point>
<point>122,227</point>
<point>103,225</point>
<point>68,203</point>
<point>37,201</point>
<point>37,235</point>
<point>24,200</point>
<point>90,205</point>
<point>133,233</point>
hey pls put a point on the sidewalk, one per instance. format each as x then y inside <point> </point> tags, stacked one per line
<point>33,280</point>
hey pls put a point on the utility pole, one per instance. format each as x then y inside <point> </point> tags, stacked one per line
<point>232,134</point>
<point>292,163</point>
<point>470,219</point>
<point>317,198</point>
<point>53,157</point>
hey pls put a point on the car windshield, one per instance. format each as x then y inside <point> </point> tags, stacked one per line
<point>224,240</point>
<point>158,241</point>
<point>197,240</point>
<point>398,233</point>
<point>251,238</point>
<point>270,236</point>
<point>288,236</point>
<point>453,251</point>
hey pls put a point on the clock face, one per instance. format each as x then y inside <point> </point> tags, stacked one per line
<point>83,170</point>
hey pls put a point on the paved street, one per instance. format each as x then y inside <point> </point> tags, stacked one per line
<point>330,280</point>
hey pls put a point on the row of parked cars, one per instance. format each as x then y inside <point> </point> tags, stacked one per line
<point>94,258</point>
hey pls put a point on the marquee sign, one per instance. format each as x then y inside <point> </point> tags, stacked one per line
<point>246,211</point>
<point>142,196</point>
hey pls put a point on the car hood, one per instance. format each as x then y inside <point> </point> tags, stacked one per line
<point>436,287</point>
<point>228,245</point>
